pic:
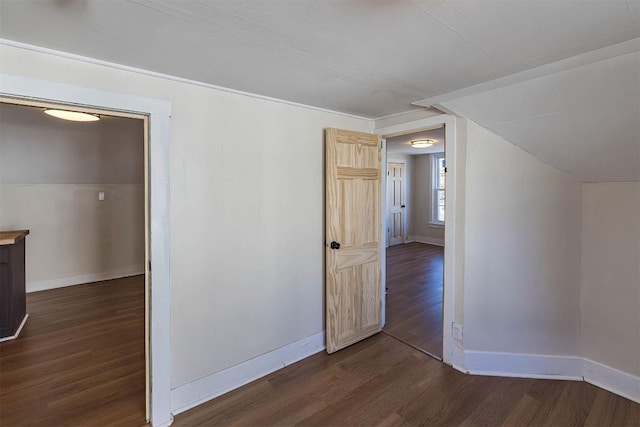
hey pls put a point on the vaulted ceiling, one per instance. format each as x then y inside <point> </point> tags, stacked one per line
<point>374,58</point>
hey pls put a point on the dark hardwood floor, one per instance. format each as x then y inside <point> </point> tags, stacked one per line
<point>383,382</point>
<point>414,296</point>
<point>79,359</point>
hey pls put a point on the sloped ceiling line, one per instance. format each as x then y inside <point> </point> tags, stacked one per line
<point>577,61</point>
<point>584,121</point>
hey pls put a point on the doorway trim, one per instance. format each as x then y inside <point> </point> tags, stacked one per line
<point>159,113</point>
<point>450,262</point>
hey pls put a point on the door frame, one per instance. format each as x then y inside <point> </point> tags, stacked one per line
<point>158,113</point>
<point>450,261</point>
<point>405,229</point>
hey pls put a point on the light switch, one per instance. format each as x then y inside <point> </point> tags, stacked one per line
<point>100,195</point>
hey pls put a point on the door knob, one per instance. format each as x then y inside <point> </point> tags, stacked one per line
<point>334,245</point>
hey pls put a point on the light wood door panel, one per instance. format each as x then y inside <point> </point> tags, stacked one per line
<point>396,203</point>
<point>353,294</point>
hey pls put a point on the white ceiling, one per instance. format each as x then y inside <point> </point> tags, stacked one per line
<point>584,121</point>
<point>370,58</point>
<point>402,144</point>
<point>374,58</point>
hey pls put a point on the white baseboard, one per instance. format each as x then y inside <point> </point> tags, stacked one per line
<point>197,392</point>
<point>613,380</point>
<point>473,362</point>
<point>523,365</point>
<point>165,424</point>
<point>13,337</point>
<point>43,285</point>
<point>425,239</point>
<point>549,367</point>
<point>457,359</point>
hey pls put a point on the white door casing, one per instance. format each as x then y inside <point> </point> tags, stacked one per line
<point>455,172</point>
<point>159,113</point>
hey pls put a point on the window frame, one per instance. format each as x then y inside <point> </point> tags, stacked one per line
<point>435,187</point>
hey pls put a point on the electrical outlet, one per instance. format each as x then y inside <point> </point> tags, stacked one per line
<point>100,195</point>
<point>457,332</point>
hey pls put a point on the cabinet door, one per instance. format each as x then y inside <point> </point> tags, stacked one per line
<point>5,298</point>
<point>17,275</point>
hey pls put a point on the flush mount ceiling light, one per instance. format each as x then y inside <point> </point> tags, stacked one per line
<point>422,143</point>
<point>75,116</point>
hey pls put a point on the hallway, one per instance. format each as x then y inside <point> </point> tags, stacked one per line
<point>414,295</point>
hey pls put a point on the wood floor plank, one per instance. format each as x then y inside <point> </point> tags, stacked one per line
<point>574,404</point>
<point>611,410</point>
<point>79,359</point>
<point>372,402</point>
<point>393,420</point>
<point>384,382</point>
<point>496,406</point>
<point>49,379</point>
<point>523,413</point>
<point>447,407</point>
<point>414,295</point>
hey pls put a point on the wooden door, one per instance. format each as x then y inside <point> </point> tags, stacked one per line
<point>396,206</point>
<point>353,245</point>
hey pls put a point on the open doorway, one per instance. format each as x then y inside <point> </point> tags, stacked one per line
<point>415,217</point>
<point>81,190</point>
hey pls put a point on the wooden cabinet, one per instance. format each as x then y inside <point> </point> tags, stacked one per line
<point>13,302</point>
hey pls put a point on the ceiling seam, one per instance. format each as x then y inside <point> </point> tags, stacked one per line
<point>386,80</point>
<point>419,6</point>
<point>531,74</point>
<point>634,18</point>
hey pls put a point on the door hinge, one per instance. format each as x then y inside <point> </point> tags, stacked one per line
<point>445,170</point>
<point>149,266</point>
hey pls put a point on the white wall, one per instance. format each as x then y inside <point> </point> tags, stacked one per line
<point>246,212</point>
<point>247,225</point>
<point>611,274</point>
<point>74,237</point>
<point>422,197</point>
<point>522,263</point>
<point>526,233</point>
<point>50,174</point>
<point>39,149</point>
